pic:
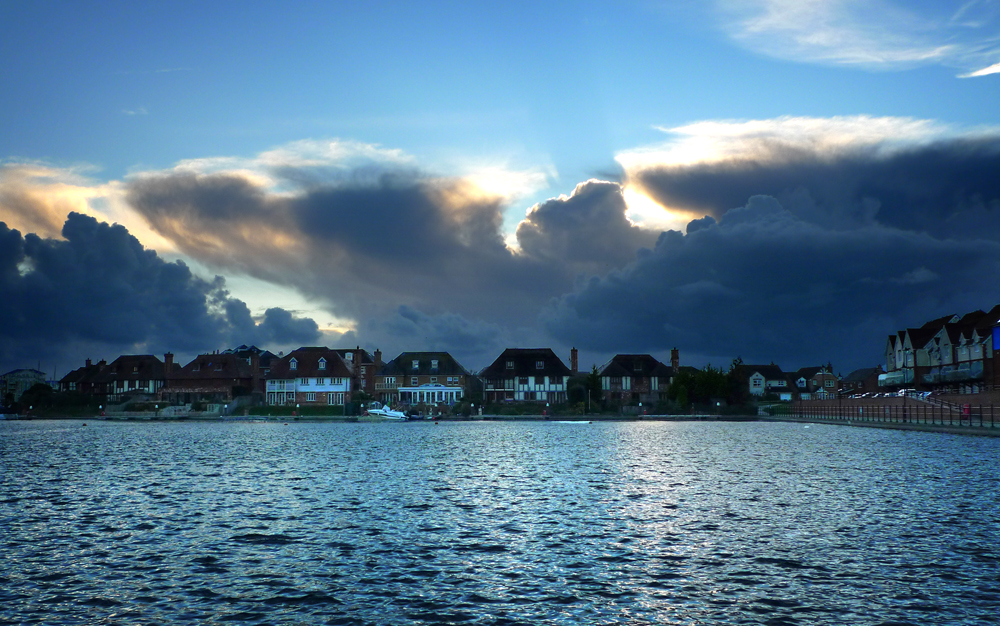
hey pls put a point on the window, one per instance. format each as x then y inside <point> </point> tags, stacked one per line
<point>196,368</point>
<point>434,364</point>
<point>413,380</point>
<point>390,380</point>
<point>637,366</point>
<point>829,383</point>
<point>293,364</point>
<point>322,364</point>
<point>434,379</point>
<point>416,364</point>
<point>218,367</point>
<point>523,380</point>
<point>539,365</point>
<point>311,396</point>
<point>135,369</point>
<point>320,381</point>
<point>304,382</point>
<point>363,370</point>
<point>510,365</point>
<point>756,383</point>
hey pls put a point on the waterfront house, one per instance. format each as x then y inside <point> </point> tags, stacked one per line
<point>640,377</point>
<point>948,354</point>
<point>133,374</point>
<point>215,378</point>
<point>861,381</point>
<point>767,379</point>
<point>422,377</point>
<point>312,376</point>
<point>15,382</point>
<point>526,374</point>
<point>364,367</point>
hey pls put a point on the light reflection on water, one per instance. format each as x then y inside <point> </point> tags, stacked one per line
<point>496,523</point>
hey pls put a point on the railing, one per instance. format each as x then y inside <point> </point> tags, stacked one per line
<point>936,414</point>
<point>386,386</point>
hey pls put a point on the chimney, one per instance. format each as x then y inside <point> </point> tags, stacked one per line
<point>88,363</point>
<point>675,359</point>
<point>378,360</point>
<point>357,359</point>
<point>574,361</point>
<point>102,364</point>
<point>168,361</point>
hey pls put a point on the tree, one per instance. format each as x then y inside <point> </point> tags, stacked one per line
<point>593,386</point>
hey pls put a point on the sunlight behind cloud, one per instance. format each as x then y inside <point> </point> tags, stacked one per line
<point>718,140</point>
<point>647,213</point>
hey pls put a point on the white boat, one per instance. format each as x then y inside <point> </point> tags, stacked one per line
<point>378,410</point>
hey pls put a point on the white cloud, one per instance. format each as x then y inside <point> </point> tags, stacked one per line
<point>877,34</point>
<point>986,71</point>
<point>717,140</point>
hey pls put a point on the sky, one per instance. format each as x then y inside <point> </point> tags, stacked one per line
<point>782,181</point>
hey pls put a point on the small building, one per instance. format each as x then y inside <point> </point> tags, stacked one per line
<point>861,381</point>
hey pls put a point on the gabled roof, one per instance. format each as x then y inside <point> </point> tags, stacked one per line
<point>807,372</point>
<point>366,358</point>
<point>307,364</point>
<point>402,365</point>
<point>525,363</point>
<point>920,337</point>
<point>862,374</point>
<point>132,367</point>
<point>769,372</point>
<point>208,366</point>
<point>939,322</point>
<point>635,366</point>
<point>988,321</point>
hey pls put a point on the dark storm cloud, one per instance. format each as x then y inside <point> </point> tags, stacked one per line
<point>767,284</point>
<point>949,188</point>
<point>377,239</point>
<point>587,231</point>
<point>101,287</point>
<point>470,341</point>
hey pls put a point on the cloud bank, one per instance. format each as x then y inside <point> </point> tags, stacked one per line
<point>98,289</point>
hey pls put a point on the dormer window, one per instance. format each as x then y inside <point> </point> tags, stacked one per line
<point>350,357</point>
<point>293,364</point>
<point>416,364</point>
<point>196,368</point>
<point>510,365</point>
<point>135,369</point>
<point>434,364</point>
<point>539,365</point>
<point>322,364</point>
<point>218,367</point>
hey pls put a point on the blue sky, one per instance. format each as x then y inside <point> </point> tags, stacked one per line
<point>521,101</point>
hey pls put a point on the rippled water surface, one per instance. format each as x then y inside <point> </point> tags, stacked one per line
<point>496,523</point>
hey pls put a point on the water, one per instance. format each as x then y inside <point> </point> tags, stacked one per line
<point>495,523</point>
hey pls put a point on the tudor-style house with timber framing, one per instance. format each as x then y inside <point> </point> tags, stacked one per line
<point>634,376</point>
<point>526,375</point>
<point>313,376</point>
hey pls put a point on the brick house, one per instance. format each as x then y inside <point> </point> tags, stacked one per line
<point>313,376</point>
<point>526,375</point>
<point>861,381</point>
<point>640,377</point>
<point>214,378</point>
<point>422,377</point>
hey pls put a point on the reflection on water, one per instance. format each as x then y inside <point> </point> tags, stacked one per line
<point>496,523</point>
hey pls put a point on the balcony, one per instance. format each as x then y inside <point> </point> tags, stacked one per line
<point>386,386</point>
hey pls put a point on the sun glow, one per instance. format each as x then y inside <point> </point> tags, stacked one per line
<point>647,213</point>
